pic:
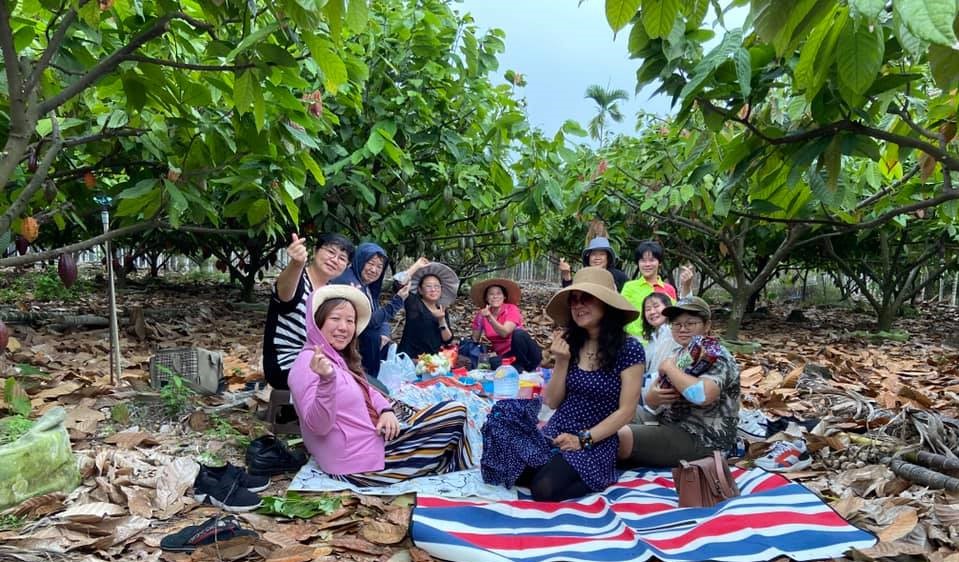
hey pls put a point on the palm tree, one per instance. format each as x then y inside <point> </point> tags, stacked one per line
<point>607,107</point>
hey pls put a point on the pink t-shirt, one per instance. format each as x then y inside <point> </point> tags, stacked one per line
<point>507,313</point>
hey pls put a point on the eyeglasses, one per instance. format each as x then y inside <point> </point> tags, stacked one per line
<point>336,253</point>
<point>580,298</point>
<point>685,326</point>
<point>432,287</point>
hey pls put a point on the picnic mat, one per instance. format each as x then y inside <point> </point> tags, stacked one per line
<point>462,484</point>
<point>637,519</point>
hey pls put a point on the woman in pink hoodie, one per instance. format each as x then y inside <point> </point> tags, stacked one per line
<point>351,429</point>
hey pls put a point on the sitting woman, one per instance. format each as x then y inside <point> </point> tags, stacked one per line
<point>500,320</point>
<point>349,428</point>
<point>595,387</point>
<point>427,327</point>
<point>697,391</point>
<point>657,340</point>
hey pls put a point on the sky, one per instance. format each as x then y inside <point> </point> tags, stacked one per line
<point>562,48</point>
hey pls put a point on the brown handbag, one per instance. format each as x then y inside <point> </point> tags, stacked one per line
<point>704,482</point>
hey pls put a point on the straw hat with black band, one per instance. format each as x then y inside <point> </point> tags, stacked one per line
<point>595,281</point>
<point>359,300</point>
<point>448,279</point>
<point>510,290</point>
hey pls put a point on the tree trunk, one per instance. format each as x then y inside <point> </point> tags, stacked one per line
<point>886,317</point>
<point>738,310</point>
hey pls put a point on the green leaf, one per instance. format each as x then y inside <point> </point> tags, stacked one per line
<point>732,40</point>
<point>931,20</point>
<point>295,505</point>
<point>243,91</point>
<point>16,398</point>
<point>357,15</point>
<point>259,107</point>
<point>501,178</point>
<point>744,71</point>
<point>619,12</point>
<point>912,44</point>
<point>334,17</point>
<point>818,52</point>
<point>868,8</point>
<point>313,167</point>
<point>258,211</point>
<point>253,38</point>
<point>323,52</point>
<point>859,53</point>
<point>695,12</point>
<point>659,16</point>
<point>142,188</point>
<point>638,39</point>
<point>944,63</point>
<point>178,203</point>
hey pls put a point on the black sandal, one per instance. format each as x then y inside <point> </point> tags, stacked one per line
<point>214,529</point>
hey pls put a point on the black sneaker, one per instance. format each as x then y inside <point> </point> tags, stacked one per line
<point>225,492</point>
<point>268,456</point>
<point>248,481</point>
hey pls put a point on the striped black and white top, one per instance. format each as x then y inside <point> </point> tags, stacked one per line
<point>285,333</point>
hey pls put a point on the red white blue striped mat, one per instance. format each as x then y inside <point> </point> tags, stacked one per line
<point>638,519</point>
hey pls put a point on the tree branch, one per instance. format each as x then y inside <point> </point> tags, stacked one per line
<point>53,46</point>
<point>36,181</point>
<point>107,65</point>
<point>108,134</point>
<point>203,67</point>
<point>885,191</point>
<point>947,160</point>
<point>85,244</point>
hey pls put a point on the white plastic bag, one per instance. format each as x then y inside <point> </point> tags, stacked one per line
<point>396,370</point>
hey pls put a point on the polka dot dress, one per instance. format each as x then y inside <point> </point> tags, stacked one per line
<point>591,396</point>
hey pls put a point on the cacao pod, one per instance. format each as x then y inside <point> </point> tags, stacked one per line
<point>32,163</point>
<point>67,268</point>
<point>4,337</point>
<point>221,266</point>
<point>89,180</point>
<point>22,245</point>
<point>29,229</point>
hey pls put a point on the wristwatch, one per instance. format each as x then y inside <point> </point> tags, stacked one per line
<point>585,440</point>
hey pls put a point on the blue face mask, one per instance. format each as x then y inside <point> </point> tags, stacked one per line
<point>695,393</point>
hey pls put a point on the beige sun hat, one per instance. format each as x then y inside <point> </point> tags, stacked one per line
<point>478,291</point>
<point>595,281</point>
<point>360,302</point>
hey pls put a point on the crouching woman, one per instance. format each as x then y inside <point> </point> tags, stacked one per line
<point>351,430</point>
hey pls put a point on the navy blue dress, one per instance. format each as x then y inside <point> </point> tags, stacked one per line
<point>591,397</point>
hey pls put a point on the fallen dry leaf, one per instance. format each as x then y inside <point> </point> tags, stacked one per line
<point>131,439</point>
<point>92,512</point>
<point>38,506</point>
<point>381,532</point>
<point>298,553</point>
<point>223,551</point>
<point>356,544</point>
<point>902,526</point>
<point>172,482</point>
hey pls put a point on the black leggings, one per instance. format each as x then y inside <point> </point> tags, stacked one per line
<point>555,481</point>
<point>527,353</point>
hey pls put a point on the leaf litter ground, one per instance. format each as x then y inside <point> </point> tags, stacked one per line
<point>139,455</point>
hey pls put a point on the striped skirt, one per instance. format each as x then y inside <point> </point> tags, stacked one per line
<point>431,441</point>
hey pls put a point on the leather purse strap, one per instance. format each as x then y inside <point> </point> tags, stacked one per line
<point>721,472</point>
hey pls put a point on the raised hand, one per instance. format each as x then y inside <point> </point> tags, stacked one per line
<point>404,291</point>
<point>321,364</point>
<point>686,273</point>
<point>485,312</point>
<point>564,266</point>
<point>297,250</point>
<point>439,312</point>
<point>559,348</point>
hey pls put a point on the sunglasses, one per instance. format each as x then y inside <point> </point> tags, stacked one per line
<point>581,298</point>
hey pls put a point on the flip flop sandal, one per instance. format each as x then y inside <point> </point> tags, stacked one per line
<point>214,529</point>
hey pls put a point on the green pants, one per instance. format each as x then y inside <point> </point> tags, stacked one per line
<point>657,446</point>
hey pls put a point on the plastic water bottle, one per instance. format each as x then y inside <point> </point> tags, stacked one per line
<point>505,382</point>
